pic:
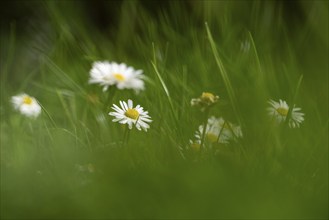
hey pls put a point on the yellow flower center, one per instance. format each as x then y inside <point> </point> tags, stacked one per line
<point>119,76</point>
<point>132,113</point>
<point>282,111</point>
<point>195,146</point>
<point>211,138</point>
<point>207,96</point>
<point>27,100</point>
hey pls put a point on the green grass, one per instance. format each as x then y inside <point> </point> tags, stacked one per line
<point>274,172</point>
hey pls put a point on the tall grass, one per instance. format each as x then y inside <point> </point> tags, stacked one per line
<point>70,163</point>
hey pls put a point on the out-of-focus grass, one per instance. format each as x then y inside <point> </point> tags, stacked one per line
<point>69,162</point>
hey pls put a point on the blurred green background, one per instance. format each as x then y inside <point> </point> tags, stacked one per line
<point>69,162</point>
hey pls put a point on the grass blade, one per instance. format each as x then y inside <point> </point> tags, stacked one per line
<point>224,75</point>
<point>164,87</point>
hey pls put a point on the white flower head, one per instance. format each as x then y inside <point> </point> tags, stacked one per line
<point>124,77</point>
<point>26,105</point>
<point>101,73</point>
<point>128,114</point>
<point>206,100</point>
<point>218,131</point>
<point>279,111</point>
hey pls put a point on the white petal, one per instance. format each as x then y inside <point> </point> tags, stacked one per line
<point>130,103</point>
<point>122,106</point>
<point>126,106</point>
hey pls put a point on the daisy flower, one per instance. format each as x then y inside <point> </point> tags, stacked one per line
<point>126,77</point>
<point>26,105</point>
<point>279,111</point>
<point>128,114</point>
<point>218,131</point>
<point>229,130</point>
<point>101,73</point>
<point>206,100</point>
<point>121,75</point>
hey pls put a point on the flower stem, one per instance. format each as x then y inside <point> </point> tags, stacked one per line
<point>125,136</point>
<point>220,132</point>
<point>110,96</point>
<point>205,122</point>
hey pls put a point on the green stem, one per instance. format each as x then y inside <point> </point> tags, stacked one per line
<point>205,122</point>
<point>110,96</point>
<point>125,136</point>
<point>220,132</point>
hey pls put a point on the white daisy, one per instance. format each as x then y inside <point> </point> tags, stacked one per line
<point>279,111</point>
<point>26,105</point>
<point>206,100</point>
<point>121,75</point>
<point>212,132</point>
<point>127,114</point>
<point>230,131</point>
<point>101,73</point>
<point>126,77</point>
<point>219,131</point>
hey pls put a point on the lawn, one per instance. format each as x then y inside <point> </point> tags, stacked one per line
<point>72,161</point>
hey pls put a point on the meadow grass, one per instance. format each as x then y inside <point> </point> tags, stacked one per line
<point>70,163</point>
